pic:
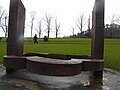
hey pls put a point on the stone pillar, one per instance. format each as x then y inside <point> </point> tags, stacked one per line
<point>15,39</point>
<point>97,45</point>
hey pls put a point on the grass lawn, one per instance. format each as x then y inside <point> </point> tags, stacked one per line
<point>76,46</point>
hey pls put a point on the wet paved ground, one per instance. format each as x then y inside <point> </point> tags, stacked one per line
<point>23,80</point>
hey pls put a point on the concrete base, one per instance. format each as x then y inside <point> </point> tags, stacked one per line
<point>22,80</point>
<point>98,74</point>
<point>13,63</point>
<point>92,65</point>
<point>10,70</point>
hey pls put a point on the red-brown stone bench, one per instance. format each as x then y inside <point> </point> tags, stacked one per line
<point>58,67</point>
<point>53,67</point>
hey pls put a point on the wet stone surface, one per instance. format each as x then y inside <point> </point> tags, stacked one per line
<point>23,80</point>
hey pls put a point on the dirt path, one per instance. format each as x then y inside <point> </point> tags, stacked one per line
<point>23,80</point>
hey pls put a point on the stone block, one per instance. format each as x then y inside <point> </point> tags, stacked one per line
<point>15,39</point>
<point>53,67</point>
<point>15,62</point>
<point>92,65</point>
<point>97,45</point>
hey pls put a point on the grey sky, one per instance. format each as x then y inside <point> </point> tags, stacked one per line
<point>67,11</point>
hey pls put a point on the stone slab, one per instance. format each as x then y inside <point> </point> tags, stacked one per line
<point>53,67</point>
<point>58,67</point>
<point>59,56</point>
<point>16,24</point>
<point>15,62</point>
<point>92,65</point>
<point>97,45</point>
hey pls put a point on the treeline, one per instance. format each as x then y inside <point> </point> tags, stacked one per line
<point>110,31</point>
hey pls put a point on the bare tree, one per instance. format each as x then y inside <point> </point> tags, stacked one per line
<point>112,29</point>
<point>32,16</point>
<point>48,19</point>
<point>39,30</point>
<point>2,12</point>
<point>5,25</point>
<point>117,20</point>
<point>89,24</point>
<point>73,31</point>
<point>57,27</point>
<point>81,22</point>
<point>112,21</point>
<point>4,21</point>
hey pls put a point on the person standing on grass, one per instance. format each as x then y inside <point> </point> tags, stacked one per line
<point>35,39</point>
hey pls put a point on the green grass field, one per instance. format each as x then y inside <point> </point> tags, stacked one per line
<point>76,46</point>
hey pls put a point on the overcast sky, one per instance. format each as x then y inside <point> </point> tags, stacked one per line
<point>67,11</point>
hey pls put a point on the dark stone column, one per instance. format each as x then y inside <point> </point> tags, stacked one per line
<point>97,46</point>
<point>15,40</point>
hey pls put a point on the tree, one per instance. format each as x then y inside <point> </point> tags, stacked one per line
<point>89,23</point>
<point>73,31</point>
<point>118,19</point>
<point>88,32</point>
<point>81,23</point>
<point>111,25</point>
<point>48,19</point>
<point>57,27</point>
<point>4,25</point>
<point>2,12</point>
<point>111,28</point>
<point>39,30</point>
<point>32,16</point>
<point>115,30</point>
<point>4,21</point>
